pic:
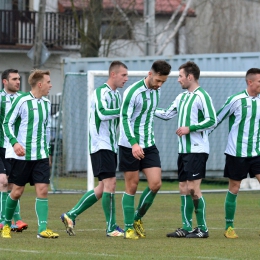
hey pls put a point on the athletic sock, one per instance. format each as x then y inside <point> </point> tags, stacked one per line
<point>3,197</point>
<point>41,209</point>
<point>9,209</point>
<point>200,210</point>
<point>86,201</point>
<point>187,208</point>
<point>17,215</point>
<point>145,202</point>
<point>108,204</point>
<point>128,210</point>
<point>230,209</point>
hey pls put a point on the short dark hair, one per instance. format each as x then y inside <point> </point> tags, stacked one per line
<point>253,71</point>
<point>161,67</point>
<point>5,74</point>
<point>115,65</point>
<point>191,67</point>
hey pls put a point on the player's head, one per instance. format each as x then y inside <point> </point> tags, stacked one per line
<point>118,74</point>
<point>40,79</point>
<point>189,74</point>
<point>11,80</point>
<point>253,81</point>
<point>158,74</point>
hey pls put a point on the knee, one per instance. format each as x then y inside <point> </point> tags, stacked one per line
<point>154,187</point>
<point>3,181</point>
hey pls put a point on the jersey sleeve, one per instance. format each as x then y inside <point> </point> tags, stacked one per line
<point>127,110</point>
<point>209,115</point>
<point>168,113</point>
<point>10,120</point>
<point>102,109</point>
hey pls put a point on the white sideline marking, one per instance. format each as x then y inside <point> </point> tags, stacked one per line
<point>64,253</point>
<point>139,192</point>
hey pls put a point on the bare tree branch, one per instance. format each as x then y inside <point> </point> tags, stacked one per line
<point>177,27</point>
<point>169,23</point>
<point>127,21</point>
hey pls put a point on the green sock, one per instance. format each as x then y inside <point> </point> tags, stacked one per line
<point>108,204</point>
<point>17,215</point>
<point>187,208</point>
<point>230,209</point>
<point>200,206</point>
<point>145,202</point>
<point>9,209</point>
<point>128,202</point>
<point>86,201</point>
<point>3,196</point>
<point>41,208</point>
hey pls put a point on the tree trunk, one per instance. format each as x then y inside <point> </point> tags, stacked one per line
<point>91,43</point>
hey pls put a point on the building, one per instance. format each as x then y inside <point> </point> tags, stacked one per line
<point>62,39</point>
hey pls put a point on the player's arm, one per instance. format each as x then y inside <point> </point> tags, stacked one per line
<point>207,115</point>
<point>168,113</point>
<point>9,121</point>
<point>48,129</point>
<point>104,112</point>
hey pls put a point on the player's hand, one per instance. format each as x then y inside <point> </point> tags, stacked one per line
<point>19,150</point>
<point>183,130</point>
<point>137,151</point>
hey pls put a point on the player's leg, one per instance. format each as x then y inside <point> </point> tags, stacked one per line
<point>186,200</point>
<point>236,169</point>
<point>151,167</point>
<point>40,177</point>
<point>196,171</point>
<point>18,225</point>
<point>19,176</point>
<point>130,166</point>
<point>230,208</point>
<point>3,186</point>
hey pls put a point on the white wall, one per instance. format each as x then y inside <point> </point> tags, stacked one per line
<point>51,5</point>
<point>21,62</point>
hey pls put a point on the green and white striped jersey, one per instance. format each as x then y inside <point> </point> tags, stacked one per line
<point>137,115</point>
<point>6,101</point>
<point>244,124</point>
<point>28,123</point>
<point>196,111</point>
<point>104,119</point>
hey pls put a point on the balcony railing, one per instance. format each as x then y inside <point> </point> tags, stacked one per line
<point>19,27</point>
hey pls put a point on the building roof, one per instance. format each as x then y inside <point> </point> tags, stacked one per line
<point>166,7</point>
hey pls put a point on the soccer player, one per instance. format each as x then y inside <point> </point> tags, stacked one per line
<point>137,149</point>
<point>11,82</point>
<point>27,126</point>
<point>242,149</point>
<point>196,115</point>
<point>103,136</point>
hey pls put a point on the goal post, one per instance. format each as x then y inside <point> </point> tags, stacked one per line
<point>72,170</point>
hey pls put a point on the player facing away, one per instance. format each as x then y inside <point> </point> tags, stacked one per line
<point>137,149</point>
<point>242,149</point>
<point>11,82</point>
<point>196,115</point>
<point>27,125</point>
<point>103,136</point>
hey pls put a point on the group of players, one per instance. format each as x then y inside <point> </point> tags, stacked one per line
<point>133,118</point>
<point>25,138</point>
<point>125,126</point>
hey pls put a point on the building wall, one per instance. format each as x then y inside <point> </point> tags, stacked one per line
<point>21,62</point>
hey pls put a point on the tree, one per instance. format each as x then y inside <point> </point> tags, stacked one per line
<point>122,26</point>
<point>90,40</point>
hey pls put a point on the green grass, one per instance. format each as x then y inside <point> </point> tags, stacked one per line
<point>76,183</point>
<point>164,216</point>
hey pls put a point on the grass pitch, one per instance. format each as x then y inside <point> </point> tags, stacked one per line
<point>164,216</point>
